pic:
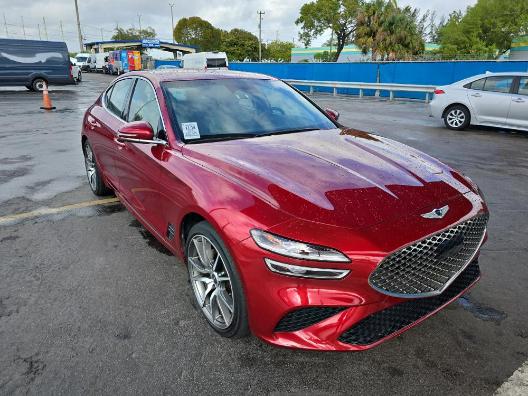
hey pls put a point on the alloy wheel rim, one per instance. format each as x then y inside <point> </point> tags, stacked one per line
<point>456,118</point>
<point>89,162</point>
<point>40,85</point>
<point>211,282</point>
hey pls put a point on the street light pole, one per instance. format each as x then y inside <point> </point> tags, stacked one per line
<point>23,27</point>
<point>172,21</point>
<point>260,13</point>
<point>79,27</point>
<point>139,19</point>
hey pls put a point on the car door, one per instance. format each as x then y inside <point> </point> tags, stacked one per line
<point>490,98</point>
<point>103,121</point>
<point>518,117</point>
<point>138,165</point>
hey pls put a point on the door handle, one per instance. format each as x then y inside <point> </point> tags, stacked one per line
<point>119,143</point>
<point>476,95</point>
<point>518,100</point>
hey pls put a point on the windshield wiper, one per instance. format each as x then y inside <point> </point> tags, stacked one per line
<point>283,131</point>
<point>222,136</point>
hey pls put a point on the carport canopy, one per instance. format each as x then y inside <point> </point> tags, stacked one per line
<point>138,45</point>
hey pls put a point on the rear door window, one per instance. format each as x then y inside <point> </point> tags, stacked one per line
<point>117,100</point>
<point>216,62</point>
<point>498,84</point>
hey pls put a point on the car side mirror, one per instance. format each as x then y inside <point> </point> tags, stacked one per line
<point>137,132</point>
<point>333,114</point>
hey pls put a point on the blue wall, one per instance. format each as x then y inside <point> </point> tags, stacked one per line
<point>424,73</point>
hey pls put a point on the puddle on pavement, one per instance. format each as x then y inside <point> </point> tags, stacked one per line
<point>151,240</point>
<point>481,311</point>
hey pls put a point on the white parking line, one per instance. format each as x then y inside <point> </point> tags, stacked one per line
<point>517,384</point>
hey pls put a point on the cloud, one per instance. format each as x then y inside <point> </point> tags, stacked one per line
<point>99,18</point>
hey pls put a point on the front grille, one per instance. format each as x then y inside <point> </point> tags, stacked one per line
<point>305,317</point>
<point>384,323</point>
<point>427,267</point>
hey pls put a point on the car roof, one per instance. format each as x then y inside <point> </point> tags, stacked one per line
<point>165,75</point>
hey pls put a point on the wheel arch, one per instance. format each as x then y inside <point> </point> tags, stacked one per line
<point>457,104</point>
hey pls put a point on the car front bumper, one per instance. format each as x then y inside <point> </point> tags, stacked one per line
<point>345,314</point>
<point>320,321</point>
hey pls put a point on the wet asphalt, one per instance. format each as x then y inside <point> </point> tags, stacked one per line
<point>91,303</point>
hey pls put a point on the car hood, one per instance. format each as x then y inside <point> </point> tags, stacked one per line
<point>341,177</point>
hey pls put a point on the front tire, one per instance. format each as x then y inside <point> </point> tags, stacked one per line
<point>215,282</point>
<point>38,84</point>
<point>457,118</point>
<point>93,173</point>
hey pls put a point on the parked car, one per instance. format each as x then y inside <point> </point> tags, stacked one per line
<point>97,61</point>
<point>81,60</point>
<point>34,64</point>
<point>491,99</point>
<point>205,60</point>
<point>76,71</point>
<point>311,234</point>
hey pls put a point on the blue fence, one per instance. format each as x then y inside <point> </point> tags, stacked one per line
<point>426,73</point>
<point>158,63</point>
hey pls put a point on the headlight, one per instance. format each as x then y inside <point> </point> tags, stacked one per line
<point>300,250</point>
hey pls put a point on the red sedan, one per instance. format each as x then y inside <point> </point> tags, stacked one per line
<point>306,233</point>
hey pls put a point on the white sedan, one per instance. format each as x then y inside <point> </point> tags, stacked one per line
<point>492,99</point>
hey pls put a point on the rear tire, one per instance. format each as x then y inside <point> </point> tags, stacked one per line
<point>79,77</point>
<point>95,179</point>
<point>217,289</point>
<point>457,118</point>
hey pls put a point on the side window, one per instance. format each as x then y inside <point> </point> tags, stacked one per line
<point>144,106</point>
<point>523,86</point>
<point>478,85</point>
<point>117,101</point>
<point>498,84</point>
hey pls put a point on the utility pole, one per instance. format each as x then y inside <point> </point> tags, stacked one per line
<point>5,25</point>
<point>62,31</point>
<point>102,37</point>
<point>38,27</point>
<point>45,28</point>
<point>139,19</point>
<point>23,27</point>
<point>79,27</point>
<point>172,21</point>
<point>260,13</point>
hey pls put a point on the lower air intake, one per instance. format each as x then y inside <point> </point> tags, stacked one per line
<point>384,323</point>
<point>305,317</point>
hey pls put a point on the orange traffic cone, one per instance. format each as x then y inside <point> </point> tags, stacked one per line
<point>46,100</point>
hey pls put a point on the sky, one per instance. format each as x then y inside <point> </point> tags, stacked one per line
<point>99,17</point>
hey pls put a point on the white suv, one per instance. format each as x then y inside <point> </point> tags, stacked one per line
<point>492,99</point>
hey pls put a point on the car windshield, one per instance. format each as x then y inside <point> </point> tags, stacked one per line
<point>82,58</point>
<point>234,108</point>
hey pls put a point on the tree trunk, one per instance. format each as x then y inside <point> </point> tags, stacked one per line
<point>340,46</point>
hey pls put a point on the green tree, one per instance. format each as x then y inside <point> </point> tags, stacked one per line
<point>198,32</point>
<point>390,32</point>
<point>240,44</point>
<point>487,28</point>
<point>133,33</point>
<point>324,56</point>
<point>338,16</point>
<point>279,51</point>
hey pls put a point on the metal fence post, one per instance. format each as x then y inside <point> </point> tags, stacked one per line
<point>311,90</point>
<point>427,97</point>
<point>335,91</point>
<point>391,97</point>
<point>360,92</point>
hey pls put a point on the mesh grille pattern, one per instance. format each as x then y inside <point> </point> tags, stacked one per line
<point>305,317</point>
<point>383,323</point>
<point>428,265</point>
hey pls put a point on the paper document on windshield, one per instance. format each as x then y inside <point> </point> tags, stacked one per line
<point>190,130</point>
